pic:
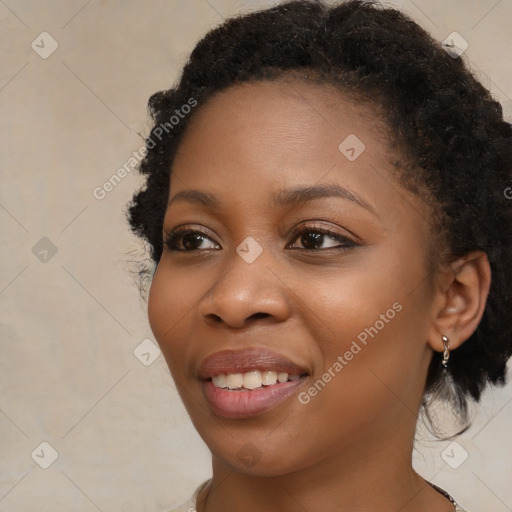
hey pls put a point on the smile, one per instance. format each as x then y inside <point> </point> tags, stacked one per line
<point>244,383</point>
<point>251,380</point>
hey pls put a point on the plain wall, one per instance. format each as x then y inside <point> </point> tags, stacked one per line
<point>70,321</point>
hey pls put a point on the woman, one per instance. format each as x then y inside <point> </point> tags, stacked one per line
<point>324,204</point>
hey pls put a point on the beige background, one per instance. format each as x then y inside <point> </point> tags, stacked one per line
<point>71,322</point>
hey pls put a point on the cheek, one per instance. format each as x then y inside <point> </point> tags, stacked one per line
<point>372,326</point>
<point>352,300</point>
<point>169,302</point>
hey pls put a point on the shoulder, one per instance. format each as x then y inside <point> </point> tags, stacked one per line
<point>190,504</point>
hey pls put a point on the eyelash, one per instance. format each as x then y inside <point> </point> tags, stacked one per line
<point>173,238</point>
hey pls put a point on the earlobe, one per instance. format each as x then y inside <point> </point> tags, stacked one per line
<point>461,298</point>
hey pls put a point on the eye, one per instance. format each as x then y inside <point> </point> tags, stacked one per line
<point>313,236</point>
<point>186,240</point>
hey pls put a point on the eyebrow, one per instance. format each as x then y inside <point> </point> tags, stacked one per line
<point>282,197</point>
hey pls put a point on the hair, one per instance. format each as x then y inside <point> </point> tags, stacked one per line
<point>453,143</point>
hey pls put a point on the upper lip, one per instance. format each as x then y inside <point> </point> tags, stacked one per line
<point>242,361</point>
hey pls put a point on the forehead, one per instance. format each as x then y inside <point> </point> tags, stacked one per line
<point>289,110</point>
<point>251,139</point>
<point>281,124</point>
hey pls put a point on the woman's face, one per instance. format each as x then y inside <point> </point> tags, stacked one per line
<point>344,308</point>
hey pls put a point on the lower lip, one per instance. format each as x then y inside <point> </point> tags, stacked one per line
<point>245,403</point>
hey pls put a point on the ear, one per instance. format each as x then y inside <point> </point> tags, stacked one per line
<point>461,295</point>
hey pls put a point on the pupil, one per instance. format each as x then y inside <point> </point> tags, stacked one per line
<point>311,239</point>
<point>189,241</point>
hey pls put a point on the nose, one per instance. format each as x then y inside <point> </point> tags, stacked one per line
<point>245,293</point>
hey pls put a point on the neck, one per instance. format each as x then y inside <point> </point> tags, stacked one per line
<point>364,475</point>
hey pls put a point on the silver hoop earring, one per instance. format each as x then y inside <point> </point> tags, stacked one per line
<point>446,352</point>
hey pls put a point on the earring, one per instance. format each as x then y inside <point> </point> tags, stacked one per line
<point>446,352</point>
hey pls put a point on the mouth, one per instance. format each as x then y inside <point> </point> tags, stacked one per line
<point>252,380</point>
<point>240,384</point>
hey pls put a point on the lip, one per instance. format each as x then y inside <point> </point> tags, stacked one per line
<point>245,403</point>
<point>251,359</point>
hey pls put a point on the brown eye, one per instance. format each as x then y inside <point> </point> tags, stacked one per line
<point>314,237</point>
<point>187,240</point>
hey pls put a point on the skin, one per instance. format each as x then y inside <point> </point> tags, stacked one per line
<point>350,447</point>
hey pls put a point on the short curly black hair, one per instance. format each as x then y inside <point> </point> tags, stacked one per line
<point>449,129</point>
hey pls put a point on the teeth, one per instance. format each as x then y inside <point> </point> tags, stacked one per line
<point>220,381</point>
<point>235,380</point>
<point>282,377</point>
<point>268,378</point>
<point>251,380</point>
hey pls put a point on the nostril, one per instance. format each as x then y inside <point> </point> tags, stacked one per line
<point>214,318</point>
<point>259,315</point>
